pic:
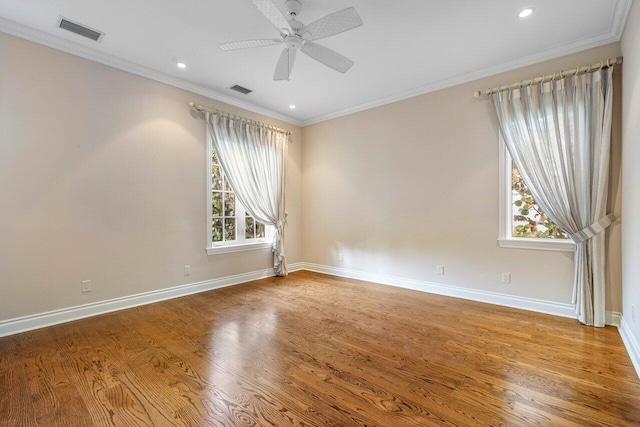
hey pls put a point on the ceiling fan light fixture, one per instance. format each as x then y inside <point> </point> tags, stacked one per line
<point>525,12</point>
<point>299,37</point>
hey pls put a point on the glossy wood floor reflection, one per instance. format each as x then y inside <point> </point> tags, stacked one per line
<point>313,350</point>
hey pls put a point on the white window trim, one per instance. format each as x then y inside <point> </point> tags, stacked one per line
<point>236,245</point>
<point>505,238</point>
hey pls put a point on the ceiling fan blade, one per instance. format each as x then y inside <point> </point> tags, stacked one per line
<point>273,14</point>
<point>335,23</point>
<point>285,64</point>
<point>244,44</point>
<point>328,57</point>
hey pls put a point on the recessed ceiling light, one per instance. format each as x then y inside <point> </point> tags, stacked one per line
<point>181,65</point>
<point>293,107</point>
<point>525,12</point>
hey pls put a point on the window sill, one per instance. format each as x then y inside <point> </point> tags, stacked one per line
<point>544,245</point>
<point>223,249</point>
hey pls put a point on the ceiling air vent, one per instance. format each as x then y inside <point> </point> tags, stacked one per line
<point>80,29</point>
<point>240,89</point>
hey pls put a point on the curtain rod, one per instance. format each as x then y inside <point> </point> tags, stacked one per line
<point>550,77</point>
<point>233,116</point>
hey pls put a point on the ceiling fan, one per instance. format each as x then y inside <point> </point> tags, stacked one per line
<point>297,36</point>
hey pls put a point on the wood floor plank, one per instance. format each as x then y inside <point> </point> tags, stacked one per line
<point>316,350</point>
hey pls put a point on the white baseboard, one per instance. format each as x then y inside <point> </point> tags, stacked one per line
<point>296,266</point>
<point>613,318</point>
<point>41,320</point>
<point>631,344</point>
<point>548,307</point>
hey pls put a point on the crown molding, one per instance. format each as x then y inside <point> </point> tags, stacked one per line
<point>618,22</point>
<point>620,15</point>
<point>22,31</point>
<point>614,35</point>
<point>475,75</point>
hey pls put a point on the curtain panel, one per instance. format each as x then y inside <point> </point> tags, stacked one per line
<point>253,159</point>
<point>558,135</point>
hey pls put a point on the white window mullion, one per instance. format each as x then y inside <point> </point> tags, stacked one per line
<point>240,222</point>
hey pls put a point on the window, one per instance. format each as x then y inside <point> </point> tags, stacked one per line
<point>522,222</point>
<point>231,228</point>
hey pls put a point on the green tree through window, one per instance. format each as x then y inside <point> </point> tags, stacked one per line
<point>528,219</point>
<point>230,222</point>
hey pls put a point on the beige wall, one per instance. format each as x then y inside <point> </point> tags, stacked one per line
<point>631,172</point>
<point>401,188</point>
<point>102,177</point>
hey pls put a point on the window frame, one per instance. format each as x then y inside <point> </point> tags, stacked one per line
<point>241,243</point>
<point>505,233</point>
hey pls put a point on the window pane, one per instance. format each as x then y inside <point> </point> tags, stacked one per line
<point>216,230</point>
<point>225,209</point>
<point>214,157</point>
<point>249,229</point>
<point>259,230</point>
<point>216,203</point>
<point>230,229</point>
<point>528,218</point>
<point>216,178</point>
<point>229,204</point>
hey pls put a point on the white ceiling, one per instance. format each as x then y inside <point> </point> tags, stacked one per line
<point>403,49</point>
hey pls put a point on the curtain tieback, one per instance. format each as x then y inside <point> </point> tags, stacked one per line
<point>277,245</point>
<point>594,229</point>
<point>282,221</point>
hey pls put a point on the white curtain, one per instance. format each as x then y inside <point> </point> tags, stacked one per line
<point>254,161</point>
<point>558,135</point>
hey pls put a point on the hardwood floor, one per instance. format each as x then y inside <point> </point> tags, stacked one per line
<point>314,350</point>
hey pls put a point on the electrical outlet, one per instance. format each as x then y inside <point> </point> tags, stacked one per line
<point>506,277</point>
<point>340,256</point>
<point>86,286</point>
<point>187,270</point>
<point>440,269</point>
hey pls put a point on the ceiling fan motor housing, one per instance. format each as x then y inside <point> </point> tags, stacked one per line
<point>299,37</point>
<point>292,7</point>
<point>293,41</point>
